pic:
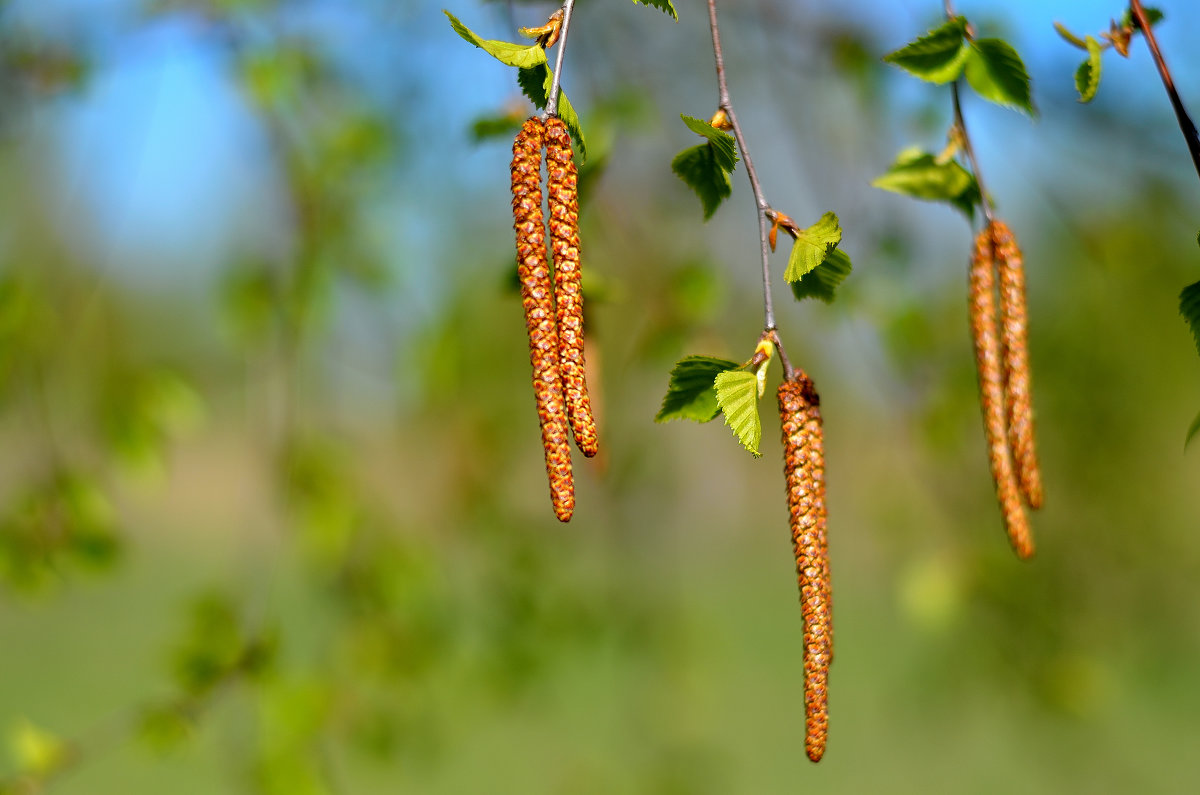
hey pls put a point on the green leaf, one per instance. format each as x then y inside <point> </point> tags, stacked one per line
<point>691,394</point>
<point>495,126</point>
<point>1069,37</point>
<point>535,83</point>
<point>1153,16</point>
<point>938,56</point>
<point>737,395</point>
<point>519,55</point>
<point>823,282</point>
<point>1189,307</point>
<point>1087,76</point>
<point>724,146</point>
<point>812,246</point>
<point>997,73</point>
<point>566,112</point>
<point>1192,432</point>
<point>700,169</point>
<point>922,176</point>
<point>663,5</point>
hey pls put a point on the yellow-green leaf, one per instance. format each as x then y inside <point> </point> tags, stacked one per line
<point>737,395</point>
<point>1087,76</point>
<point>520,55</point>
<point>812,246</point>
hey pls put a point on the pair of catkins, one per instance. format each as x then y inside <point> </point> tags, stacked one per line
<point>553,304</point>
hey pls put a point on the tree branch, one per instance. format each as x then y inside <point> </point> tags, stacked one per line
<point>1186,125</point>
<point>759,199</point>
<point>552,99</point>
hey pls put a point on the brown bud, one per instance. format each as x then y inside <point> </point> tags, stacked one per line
<point>537,297</point>
<point>991,392</point>
<point>804,469</point>
<point>1018,394</point>
<point>563,191</point>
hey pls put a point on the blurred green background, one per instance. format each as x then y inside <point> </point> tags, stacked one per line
<point>273,514</point>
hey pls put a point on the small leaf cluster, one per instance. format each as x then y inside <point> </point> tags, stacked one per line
<point>705,168</point>
<point>816,266</point>
<point>701,387</point>
<point>991,66</point>
<point>1117,37</point>
<point>993,69</point>
<point>534,76</point>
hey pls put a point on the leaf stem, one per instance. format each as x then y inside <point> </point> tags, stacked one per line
<point>961,124</point>
<point>1186,125</point>
<point>759,199</point>
<point>552,99</point>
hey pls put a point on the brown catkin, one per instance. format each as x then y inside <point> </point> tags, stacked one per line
<point>1018,393</point>
<point>562,189</point>
<point>982,296</point>
<point>537,296</point>
<point>804,468</point>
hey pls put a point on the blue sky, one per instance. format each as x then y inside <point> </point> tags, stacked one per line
<point>162,162</point>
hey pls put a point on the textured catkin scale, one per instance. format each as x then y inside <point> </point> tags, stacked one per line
<point>563,193</point>
<point>804,469</point>
<point>537,297</point>
<point>1018,394</point>
<point>984,331</point>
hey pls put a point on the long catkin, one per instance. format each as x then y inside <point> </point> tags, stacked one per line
<point>1018,395</point>
<point>804,469</point>
<point>991,392</point>
<point>563,194</point>
<point>537,297</point>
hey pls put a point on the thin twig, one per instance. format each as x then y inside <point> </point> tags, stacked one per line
<point>961,124</point>
<point>788,370</point>
<point>759,199</point>
<point>1186,125</point>
<point>970,150</point>
<point>552,99</point>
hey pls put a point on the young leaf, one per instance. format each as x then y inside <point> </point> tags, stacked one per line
<point>1069,37</point>
<point>996,72</point>
<point>1192,432</point>
<point>1153,16</point>
<point>723,144</point>
<point>535,83</point>
<point>1087,76</point>
<point>920,175</point>
<point>737,395</point>
<point>1189,307</point>
<point>700,169</point>
<point>812,246</point>
<point>663,5</point>
<point>823,282</point>
<point>691,394</point>
<point>495,126</point>
<point>938,56</point>
<point>519,55</point>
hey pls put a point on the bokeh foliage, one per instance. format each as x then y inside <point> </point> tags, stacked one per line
<point>320,581</point>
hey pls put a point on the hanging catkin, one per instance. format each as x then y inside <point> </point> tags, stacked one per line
<point>563,193</point>
<point>982,295</point>
<point>804,468</point>
<point>1018,395</point>
<point>537,296</point>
